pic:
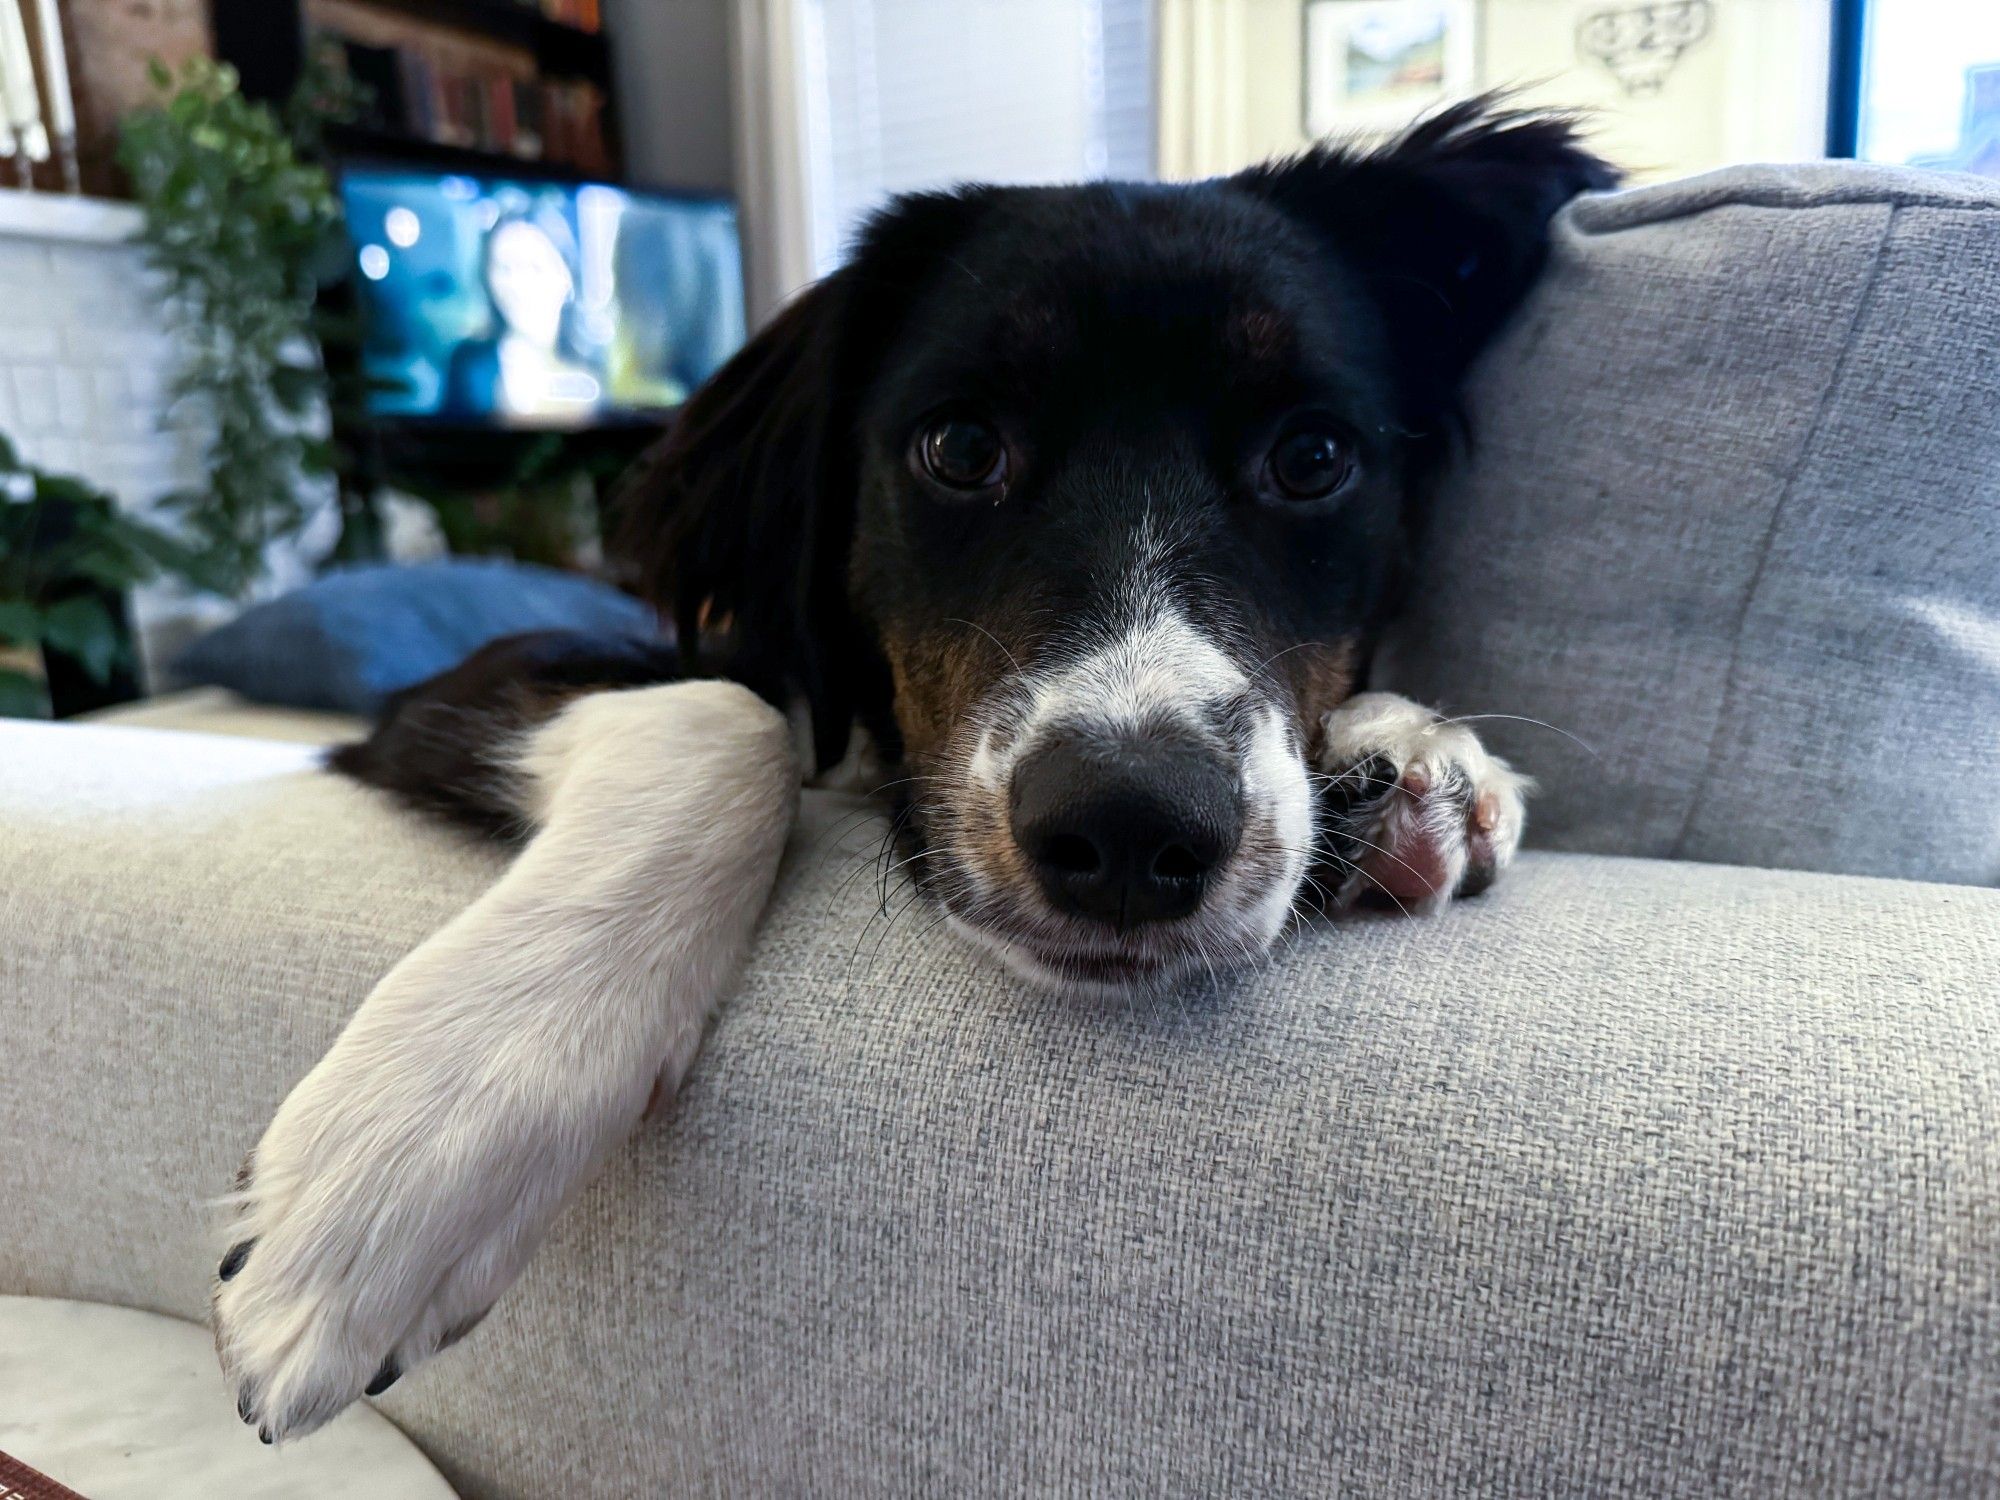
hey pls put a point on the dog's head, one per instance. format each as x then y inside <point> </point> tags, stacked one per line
<point>1088,503</point>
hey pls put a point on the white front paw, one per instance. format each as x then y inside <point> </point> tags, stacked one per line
<point>400,1189</point>
<point>407,1180</point>
<point>1415,810</point>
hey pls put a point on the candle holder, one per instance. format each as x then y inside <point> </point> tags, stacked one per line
<point>20,165</point>
<point>61,111</point>
<point>23,133</point>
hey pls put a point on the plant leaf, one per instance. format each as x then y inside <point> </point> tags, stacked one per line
<point>83,628</point>
<point>20,622</point>
<point>21,696</point>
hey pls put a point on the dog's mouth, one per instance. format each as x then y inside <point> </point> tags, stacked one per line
<point>1092,966</point>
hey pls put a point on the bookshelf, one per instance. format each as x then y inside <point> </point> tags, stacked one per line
<point>500,86</point>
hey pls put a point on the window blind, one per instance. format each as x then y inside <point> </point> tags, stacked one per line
<point>910,94</point>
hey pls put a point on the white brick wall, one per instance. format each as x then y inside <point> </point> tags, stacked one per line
<point>84,364</point>
<point>84,360</point>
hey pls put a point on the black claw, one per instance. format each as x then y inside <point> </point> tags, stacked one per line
<point>233,1261</point>
<point>1378,774</point>
<point>1478,879</point>
<point>385,1377</point>
<point>243,1407</point>
<point>1368,781</point>
<point>264,1436</point>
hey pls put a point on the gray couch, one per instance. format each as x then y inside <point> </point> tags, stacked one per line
<point>1636,1176</point>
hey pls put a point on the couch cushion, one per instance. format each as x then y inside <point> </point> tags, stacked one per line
<point>1627,1178</point>
<point>1734,524</point>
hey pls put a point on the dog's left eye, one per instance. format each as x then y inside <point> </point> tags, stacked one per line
<point>1310,462</point>
<point>963,453</point>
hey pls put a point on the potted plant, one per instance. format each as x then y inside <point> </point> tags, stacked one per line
<point>68,556</point>
<point>241,229</point>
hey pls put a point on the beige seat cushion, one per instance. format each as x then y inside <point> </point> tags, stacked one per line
<point>219,711</point>
<point>125,1405</point>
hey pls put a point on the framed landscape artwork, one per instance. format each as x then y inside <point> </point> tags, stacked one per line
<point>1372,65</point>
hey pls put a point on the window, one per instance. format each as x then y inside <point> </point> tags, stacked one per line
<point>1930,84</point>
<point>910,94</point>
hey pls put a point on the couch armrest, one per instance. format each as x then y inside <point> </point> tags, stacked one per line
<point>1627,1178</point>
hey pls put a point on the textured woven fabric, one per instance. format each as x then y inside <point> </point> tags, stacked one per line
<point>1734,523</point>
<point>1629,1178</point>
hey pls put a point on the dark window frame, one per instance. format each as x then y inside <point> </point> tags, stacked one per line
<point>1844,79</point>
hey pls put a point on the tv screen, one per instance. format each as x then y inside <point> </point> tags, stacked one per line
<point>538,304</point>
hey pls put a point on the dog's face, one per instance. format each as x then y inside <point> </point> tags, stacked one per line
<point>1129,500</point>
<point>1096,498</point>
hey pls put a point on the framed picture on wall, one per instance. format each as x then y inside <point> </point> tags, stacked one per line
<point>1373,65</point>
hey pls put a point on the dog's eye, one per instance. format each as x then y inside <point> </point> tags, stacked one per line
<point>963,453</point>
<point>1309,463</point>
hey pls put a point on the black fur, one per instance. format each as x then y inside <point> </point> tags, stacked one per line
<point>777,515</point>
<point>443,746</point>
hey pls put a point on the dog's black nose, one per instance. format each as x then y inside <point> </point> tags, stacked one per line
<point>1127,830</point>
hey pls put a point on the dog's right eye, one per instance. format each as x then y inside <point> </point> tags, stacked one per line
<point>963,453</point>
<point>1311,462</point>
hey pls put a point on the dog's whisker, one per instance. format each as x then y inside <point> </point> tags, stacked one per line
<point>1265,665</point>
<point>890,926</point>
<point>848,825</point>
<point>1012,660</point>
<point>1581,744</point>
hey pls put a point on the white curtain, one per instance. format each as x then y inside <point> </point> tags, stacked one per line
<point>773,183</point>
<point>841,103</point>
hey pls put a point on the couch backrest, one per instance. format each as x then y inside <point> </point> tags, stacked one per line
<point>1733,521</point>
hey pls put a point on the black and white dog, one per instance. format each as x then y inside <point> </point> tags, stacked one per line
<point>1087,505</point>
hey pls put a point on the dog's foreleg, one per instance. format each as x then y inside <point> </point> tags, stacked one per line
<point>406,1180</point>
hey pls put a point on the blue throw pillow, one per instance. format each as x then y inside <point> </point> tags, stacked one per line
<point>353,638</point>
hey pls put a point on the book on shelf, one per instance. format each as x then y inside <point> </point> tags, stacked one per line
<point>528,139</point>
<point>584,15</point>
<point>455,98</point>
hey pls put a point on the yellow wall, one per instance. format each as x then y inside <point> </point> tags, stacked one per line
<point>1753,89</point>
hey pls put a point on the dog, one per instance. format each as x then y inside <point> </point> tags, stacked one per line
<point>1084,507</point>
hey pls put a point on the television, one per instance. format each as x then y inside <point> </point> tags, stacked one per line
<point>490,301</point>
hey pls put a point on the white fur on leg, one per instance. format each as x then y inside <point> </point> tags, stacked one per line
<point>404,1183</point>
<point>1438,813</point>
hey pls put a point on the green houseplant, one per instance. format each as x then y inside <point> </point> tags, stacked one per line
<point>67,557</point>
<point>240,229</point>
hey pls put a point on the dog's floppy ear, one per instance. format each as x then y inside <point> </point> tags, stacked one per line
<point>737,521</point>
<point>1447,223</point>
<point>740,520</point>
